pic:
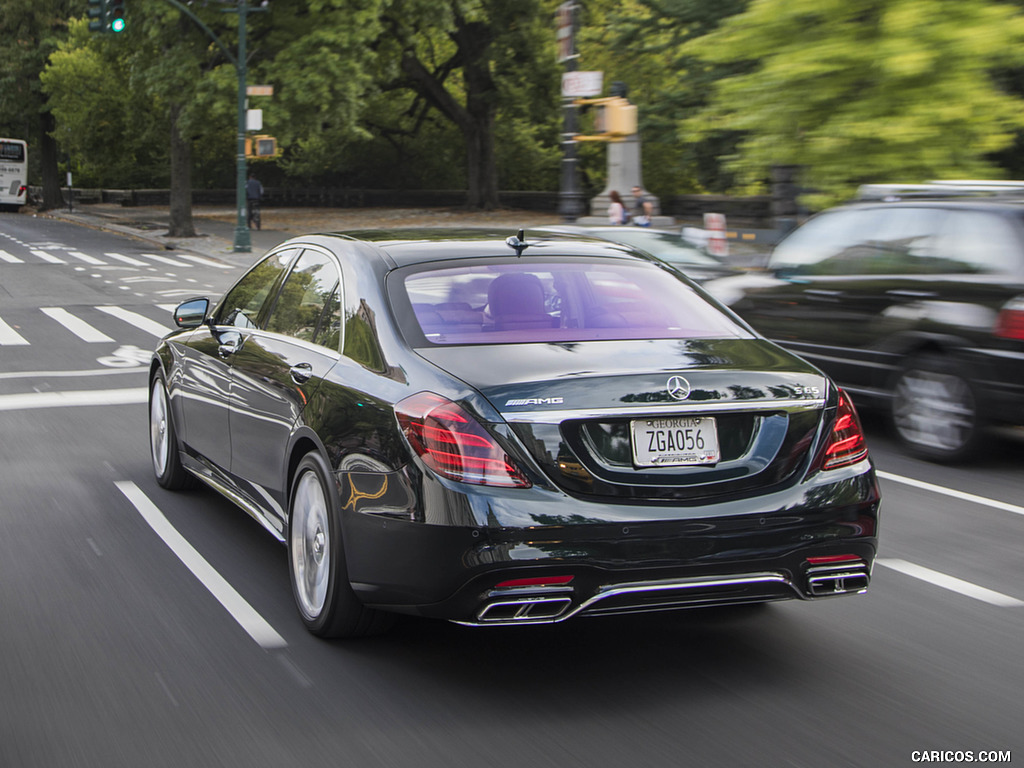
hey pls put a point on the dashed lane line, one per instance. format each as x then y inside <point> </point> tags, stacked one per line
<point>139,321</point>
<point>77,326</point>
<point>32,400</point>
<point>10,337</point>
<point>952,493</point>
<point>950,582</point>
<point>252,622</point>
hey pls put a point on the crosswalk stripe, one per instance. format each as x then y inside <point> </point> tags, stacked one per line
<point>139,321</point>
<point>9,258</point>
<point>76,325</point>
<point>10,337</point>
<point>47,257</point>
<point>86,258</point>
<point>126,259</point>
<point>165,260</point>
<point>201,260</point>
<point>168,307</point>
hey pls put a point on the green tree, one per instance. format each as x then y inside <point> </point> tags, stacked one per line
<point>864,90</point>
<point>30,30</point>
<point>465,59</point>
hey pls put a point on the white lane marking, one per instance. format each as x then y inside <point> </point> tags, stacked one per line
<point>9,258</point>
<point>31,400</point>
<point>201,260</point>
<point>47,257</point>
<point>76,325</point>
<point>952,493</point>
<point>126,259</point>
<point>951,583</point>
<point>168,307</point>
<point>86,258</point>
<point>10,337</point>
<point>247,617</point>
<point>139,321</point>
<point>164,260</point>
<point>65,374</point>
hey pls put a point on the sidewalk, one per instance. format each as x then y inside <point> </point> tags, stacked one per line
<point>216,224</point>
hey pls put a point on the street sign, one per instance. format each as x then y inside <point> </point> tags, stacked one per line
<point>579,85</point>
<point>254,119</point>
<point>259,90</point>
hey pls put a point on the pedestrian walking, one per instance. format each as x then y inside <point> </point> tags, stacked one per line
<point>253,196</point>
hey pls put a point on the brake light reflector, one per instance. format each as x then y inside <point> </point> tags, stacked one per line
<point>1010,323</point>
<point>536,581</point>
<point>846,444</point>
<point>454,444</point>
<point>828,559</point>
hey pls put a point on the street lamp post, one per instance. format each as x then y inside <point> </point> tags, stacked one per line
<point>243,242</point>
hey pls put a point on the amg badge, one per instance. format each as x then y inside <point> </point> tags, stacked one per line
<point>535,401</point>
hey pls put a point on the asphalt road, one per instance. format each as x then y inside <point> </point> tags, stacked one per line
<point>140,627</point>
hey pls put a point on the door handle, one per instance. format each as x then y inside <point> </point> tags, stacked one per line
<point>229,344</point>
<point>301,372</point>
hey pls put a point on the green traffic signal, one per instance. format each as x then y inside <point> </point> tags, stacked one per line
<point>115,15</point>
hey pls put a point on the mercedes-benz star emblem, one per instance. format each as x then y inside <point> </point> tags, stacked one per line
<point>678,388</point>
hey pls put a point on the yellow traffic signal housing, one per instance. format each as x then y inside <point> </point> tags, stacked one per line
<point>615,119</point>
<point>261,148</point>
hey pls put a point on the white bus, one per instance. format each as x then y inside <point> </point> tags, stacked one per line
<point>13,173</point>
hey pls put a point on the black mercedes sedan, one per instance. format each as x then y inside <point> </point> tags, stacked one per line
<point>507,430</point>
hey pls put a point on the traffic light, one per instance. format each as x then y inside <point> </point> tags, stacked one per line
<point>115,15</point>
<point>615,118</point>
<point>97,15</point>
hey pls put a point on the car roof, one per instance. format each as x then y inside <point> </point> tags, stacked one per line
<point>402,247</point>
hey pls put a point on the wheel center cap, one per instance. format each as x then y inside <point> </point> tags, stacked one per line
<point>318,545</point>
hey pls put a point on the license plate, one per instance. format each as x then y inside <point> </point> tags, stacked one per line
<point>675,442</point>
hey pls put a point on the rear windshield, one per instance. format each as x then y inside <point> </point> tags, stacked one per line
<point>11,151</point>
<point>559,301</point>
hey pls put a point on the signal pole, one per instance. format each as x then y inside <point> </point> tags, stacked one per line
<point>570,197</point>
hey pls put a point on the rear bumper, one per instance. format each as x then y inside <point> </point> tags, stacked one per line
<point>723,554</point>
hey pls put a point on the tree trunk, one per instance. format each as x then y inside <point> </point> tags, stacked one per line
<point>476,119</point>
<point>50,167</point>
<point>181,181</point>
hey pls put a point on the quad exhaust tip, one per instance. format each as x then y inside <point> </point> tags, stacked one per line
<point>837,575</point>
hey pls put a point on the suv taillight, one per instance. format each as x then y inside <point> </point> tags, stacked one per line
<point>454,444</point>
<point>846,444</point>
<point>1010,323</point>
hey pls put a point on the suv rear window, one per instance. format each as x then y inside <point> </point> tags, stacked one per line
<point>559,301</point>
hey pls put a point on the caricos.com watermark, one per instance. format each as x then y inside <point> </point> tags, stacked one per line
<point>960,756</point>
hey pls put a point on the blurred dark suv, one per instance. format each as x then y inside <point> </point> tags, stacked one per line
<point>911,298</point>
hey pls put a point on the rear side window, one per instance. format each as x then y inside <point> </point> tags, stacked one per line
<point>304,298</point>
<point>977,242</point>
<point>559,301</point>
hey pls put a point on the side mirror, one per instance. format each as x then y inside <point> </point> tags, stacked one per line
<point>192,313</point>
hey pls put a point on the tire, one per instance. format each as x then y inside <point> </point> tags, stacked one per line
<point>316,559</point>
<point>935,411</point>
<point>163,439</point>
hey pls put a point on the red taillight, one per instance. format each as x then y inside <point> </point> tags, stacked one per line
<point>846,444</point>
<point>454,444</point>
<point>22,190</point>
<point>1010,323</point>
<point>536,581</point>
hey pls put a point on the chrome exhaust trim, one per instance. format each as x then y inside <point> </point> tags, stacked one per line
<point>697,591</point>
<point>838,579</point>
